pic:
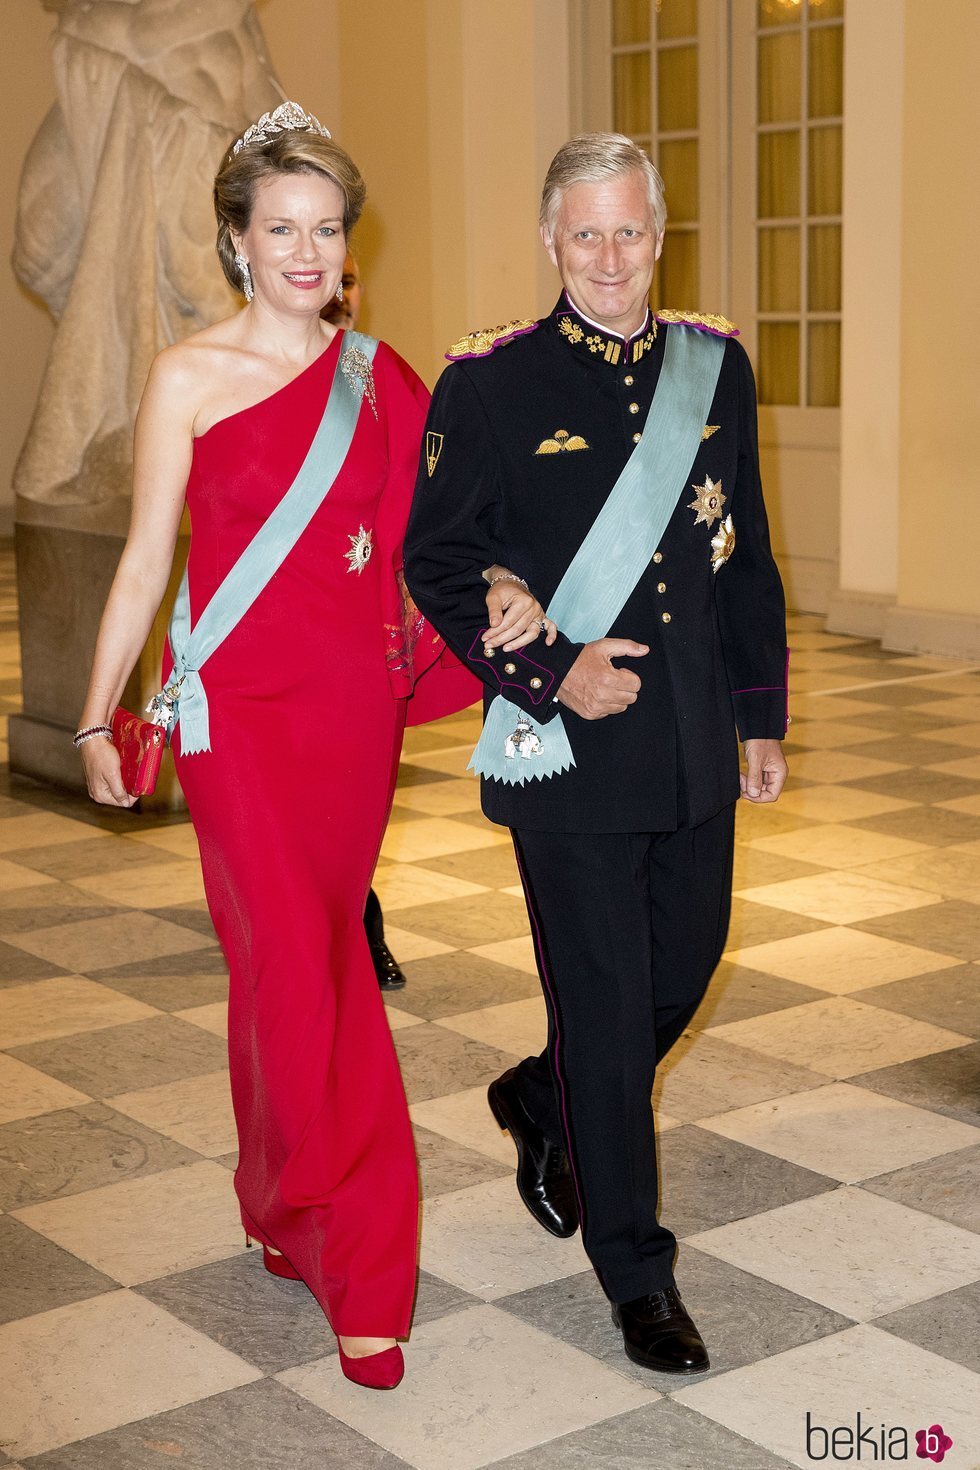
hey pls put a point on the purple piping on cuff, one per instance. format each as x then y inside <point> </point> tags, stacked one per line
<point>533,696</point>
<point>786,682</point>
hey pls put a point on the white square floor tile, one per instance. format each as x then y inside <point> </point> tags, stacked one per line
<point>951,871</point>
<point>830,766</point>
<point>181,840</point>
<point>890,1382</point>
<point>839,898</point>
<point>196,1111</point>
<point>14,876</point>
<point>465,1117</point>
<point>484,1240</point>
<point>839,1036</point>
<point>453,760</point>
<point>407,946</point>
<point>213,1017</point>
<point>840,960</point>
<point>139,1229</point>
<point>705,1074</point>
<point>847,1133</point>
<point>968,804</point>
<point>835,846</point>
<point>480,1385</point>
<point>44,829</point>
<point>82,1369</point>
<point>827,706</point>
<point>430,837</point>
<point>830,735</point>
<point>400,886</point>
<point>518,953</point>
<point>95,944</point>
<point>147,885</point>
<point>444,798</point>
<point>398,1020</point>
<point>968,735</point>
<point>839,803</point>
<point>519,1026</point>
<point>967,765</point>
<point>854,1252</point>
<point>25,1092</point>
<point>63,1006</point>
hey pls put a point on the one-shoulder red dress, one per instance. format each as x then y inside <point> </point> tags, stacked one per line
<point>289,805</point>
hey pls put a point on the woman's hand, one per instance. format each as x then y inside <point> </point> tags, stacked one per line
<point>103,773</point>
<point>515,616</point>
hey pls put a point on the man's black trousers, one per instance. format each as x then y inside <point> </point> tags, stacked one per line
<point>628,928</point>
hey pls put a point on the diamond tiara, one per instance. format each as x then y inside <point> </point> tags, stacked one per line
<point>287,117</point>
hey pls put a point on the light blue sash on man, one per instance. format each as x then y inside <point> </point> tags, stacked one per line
<point>266,552</point>
<point>621,541</point>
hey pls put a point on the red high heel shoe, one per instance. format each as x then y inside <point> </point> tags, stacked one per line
<point>275,1264</point>
<point>380,1370</point>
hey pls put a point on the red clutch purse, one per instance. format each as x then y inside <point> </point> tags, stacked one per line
<point>140,746</point>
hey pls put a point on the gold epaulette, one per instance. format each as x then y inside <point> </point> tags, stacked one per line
<point>719,325</point>
<point>481,344</point>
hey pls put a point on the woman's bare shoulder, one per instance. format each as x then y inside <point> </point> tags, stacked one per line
<point>189,365</point>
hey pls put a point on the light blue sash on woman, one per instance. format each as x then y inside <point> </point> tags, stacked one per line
<point>265,553</point>
<point>620,542</point>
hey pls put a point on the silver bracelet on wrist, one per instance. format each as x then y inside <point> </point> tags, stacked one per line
<point>509,577</point>
<point>92,732</point>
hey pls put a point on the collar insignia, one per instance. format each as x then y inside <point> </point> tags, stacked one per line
<point>708,430</point>
<point>719,326</point>
<point>611,349</point>
<point>481,344</point>
<point>708,503</point>
<point>561,442</point>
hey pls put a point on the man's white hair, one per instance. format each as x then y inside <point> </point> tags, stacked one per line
<point>594,156</point>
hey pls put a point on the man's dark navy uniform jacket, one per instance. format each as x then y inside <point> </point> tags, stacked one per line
<point>525,438</point>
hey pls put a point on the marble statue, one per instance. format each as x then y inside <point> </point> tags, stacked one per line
<point>115,229</point>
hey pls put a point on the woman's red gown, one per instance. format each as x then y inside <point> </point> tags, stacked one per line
<point>289,806</point>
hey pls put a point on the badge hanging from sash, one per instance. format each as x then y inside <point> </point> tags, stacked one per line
<point>183,697</point>
<point>617,549</point>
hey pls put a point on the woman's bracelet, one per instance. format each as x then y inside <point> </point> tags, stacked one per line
<point>92,732</point>
<point>509,577</point>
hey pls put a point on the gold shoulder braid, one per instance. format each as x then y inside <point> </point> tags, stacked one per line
<point>481,344</point>
<point>720,326</point>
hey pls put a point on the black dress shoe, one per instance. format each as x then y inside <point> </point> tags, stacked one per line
<point>658,1333</point>
<point>544,1178</point>
<point>386,967</point>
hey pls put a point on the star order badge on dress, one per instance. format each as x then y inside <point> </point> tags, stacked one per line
<point>361,547</point>
<point>708,503</point>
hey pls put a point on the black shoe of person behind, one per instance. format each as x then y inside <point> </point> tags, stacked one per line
<point>658,1333</point>
<point>386,967</point>
<point>544,1176</point>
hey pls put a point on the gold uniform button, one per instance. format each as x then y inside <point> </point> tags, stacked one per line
<point>535,683</point>
<point>510,668</point>
<point>628,380</point>
<point>658,557</point>
<point>665,617</point>
<point>634,408</point>
<point>636,438</point>
<point>488,652</point>
<point>661,586</point>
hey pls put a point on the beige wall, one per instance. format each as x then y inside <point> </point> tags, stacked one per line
<point>26,93</point>
<point>909,417</point>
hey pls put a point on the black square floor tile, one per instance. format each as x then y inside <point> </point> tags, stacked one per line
<point>707,1180</point>
<point>49,905</point>
<point>951,928</point>
<point>435,1061</point>
<point>736,992</point>
<point>462,922</point>
<point>263,1426</point>
<point>89,857</point>
<point>936,825</point>
<point>758,923</point>
<point>76,1149</point>
<point>494,867</point>
<point>126,1058</point>
<point>918,785</point>
<point>450,984</point>
<point>193,962</point>
<point>169,992</point>
<point>948,998</point>
<point>946,1325</point>
<point>947,1082</point>
<point>36,1275</point>
<point>945,1186</point>
<point>188,917</point>
<point>16,966</point>
<point>445,1166</point>
<point>663,1436</point>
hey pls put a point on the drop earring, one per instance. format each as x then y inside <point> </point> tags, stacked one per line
<point>246,276</point>
<point>340,291</point>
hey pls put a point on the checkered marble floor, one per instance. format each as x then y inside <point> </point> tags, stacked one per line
<point>818,1127</point>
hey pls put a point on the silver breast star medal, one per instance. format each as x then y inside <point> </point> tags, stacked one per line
<point>361,547</point>
<point>722,544</point>
<point>523,741</point>
<point>709,502</point>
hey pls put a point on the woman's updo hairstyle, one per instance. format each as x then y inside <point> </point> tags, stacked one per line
<point>291,151</point>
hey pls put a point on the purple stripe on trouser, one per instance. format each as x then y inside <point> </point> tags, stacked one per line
<point>545,981</point>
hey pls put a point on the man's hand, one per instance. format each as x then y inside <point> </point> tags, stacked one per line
<point>765,770</point>
<point>593,688</point>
